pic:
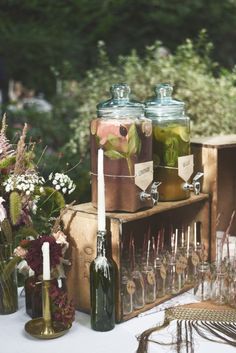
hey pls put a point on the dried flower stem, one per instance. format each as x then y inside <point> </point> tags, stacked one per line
<point>226,235</point>
<point>4,124</point>
<point>20,152</point>
<point>56,226</point>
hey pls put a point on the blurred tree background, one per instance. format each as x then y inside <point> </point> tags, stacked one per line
<point>40,36</point>
<point>56,47</point>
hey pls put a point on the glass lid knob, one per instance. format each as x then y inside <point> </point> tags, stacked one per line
<point>163,91</point>
<point>120,91</point>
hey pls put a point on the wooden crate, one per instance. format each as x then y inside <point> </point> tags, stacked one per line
<point>81,226</point>
<point>216,158</point>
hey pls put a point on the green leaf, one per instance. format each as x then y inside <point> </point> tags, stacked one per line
<point>15,206</point>
<point>6,162</point>
<point>130,165</point>
<point>25,232</point>
<point>6,270</point>
<point>134,142</point>
<point>171,151</point>
<point>112,154</point>
<point>59,199</point>
<point>54,196</point>
<point>115,143</point>
<point>7,230</point>
<point>112,140</point>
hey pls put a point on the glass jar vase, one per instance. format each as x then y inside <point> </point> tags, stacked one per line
<point>33,295</point>
<point>8,281</point>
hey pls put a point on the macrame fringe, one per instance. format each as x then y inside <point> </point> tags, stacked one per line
<point>224,331</point>
<point>219,332</point>
<point>144,338</point>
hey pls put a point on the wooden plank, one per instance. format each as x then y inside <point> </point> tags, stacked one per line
<point>224,141</point>
<point>82,233</point>
<point>218,162</point>
<point>207,161</point>
<point>226,188</point>
<point>128,217</point>
<point>156,303</point>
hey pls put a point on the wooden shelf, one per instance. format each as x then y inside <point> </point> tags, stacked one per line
<point>128,217</point>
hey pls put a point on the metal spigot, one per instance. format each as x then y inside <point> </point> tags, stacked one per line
<point>153,195</point>
<point>195,186</point>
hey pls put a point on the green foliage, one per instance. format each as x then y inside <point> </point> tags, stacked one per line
<point>43,41</point>
<point>7,162</point>
<point>207,89</point>
<point>27,231</point>
<point>51,202</point>
<point>55,197</point>
<point>9,268</point>
<point>6,229</point>
<point>15,207</point>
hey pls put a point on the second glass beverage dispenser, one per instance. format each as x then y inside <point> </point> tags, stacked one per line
<point>171,140</point>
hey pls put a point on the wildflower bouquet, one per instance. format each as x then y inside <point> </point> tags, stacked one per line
<point>29,204</point>
<point>31,252</point>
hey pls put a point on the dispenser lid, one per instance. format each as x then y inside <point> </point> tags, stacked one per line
<point>162,104</point>
<point>120,104</point>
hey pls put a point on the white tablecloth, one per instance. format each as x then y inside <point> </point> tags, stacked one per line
<point>81,339</point>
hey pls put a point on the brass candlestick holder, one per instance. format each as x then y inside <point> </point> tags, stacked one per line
<point>44,327</point>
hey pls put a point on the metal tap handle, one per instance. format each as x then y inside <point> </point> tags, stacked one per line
<point>196,183</point>
<point>197,176</point>
<point>154,194</point>
<point>195,186</point>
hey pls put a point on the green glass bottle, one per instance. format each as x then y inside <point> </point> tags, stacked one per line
<point>102,287</point>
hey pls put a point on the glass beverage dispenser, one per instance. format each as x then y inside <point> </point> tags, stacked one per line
<point>173,164</point>
<point>126,137</point>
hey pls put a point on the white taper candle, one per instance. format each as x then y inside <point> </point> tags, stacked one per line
<point>101,192</point>
<point>195,235</point>
<point>176,240</point>
<point>46,261</point>
<point>188,240</point>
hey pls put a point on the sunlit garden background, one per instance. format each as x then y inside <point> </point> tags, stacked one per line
<point>59,58</point>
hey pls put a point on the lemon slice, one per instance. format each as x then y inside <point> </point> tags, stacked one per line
<point>183,133</point>
<point>147,128</point>
<point>159,133</point>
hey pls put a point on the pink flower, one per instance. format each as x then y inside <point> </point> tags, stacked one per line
<point>60,238</point>
<point>21,252</point>
<point>3,213</point>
